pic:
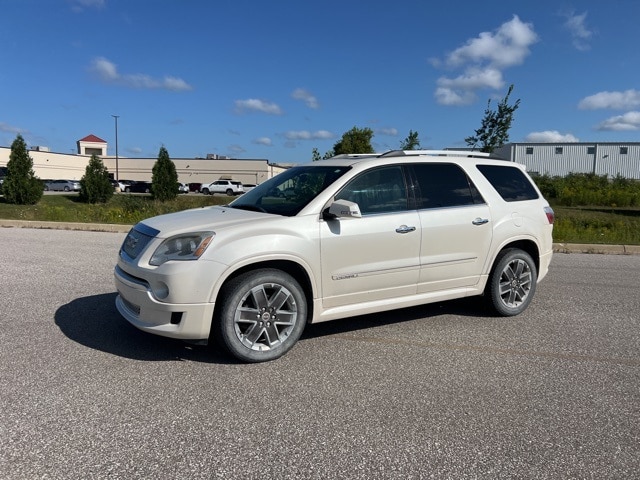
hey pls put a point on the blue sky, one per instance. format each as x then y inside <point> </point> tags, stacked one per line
<point>274,79</point>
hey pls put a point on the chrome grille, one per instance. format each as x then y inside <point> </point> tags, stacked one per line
<point>137,240</point>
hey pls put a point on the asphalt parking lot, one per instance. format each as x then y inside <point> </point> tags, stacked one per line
<point>439,391</point>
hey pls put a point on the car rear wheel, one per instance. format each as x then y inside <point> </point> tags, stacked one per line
<point>512,282</point>
<point>229,192</point>
<point>261,316</point>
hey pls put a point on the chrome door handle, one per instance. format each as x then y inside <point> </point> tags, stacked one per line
<point>405,229</point>
<point>480,221</point>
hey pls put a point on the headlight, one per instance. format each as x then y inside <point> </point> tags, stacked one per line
<point>189,246</point>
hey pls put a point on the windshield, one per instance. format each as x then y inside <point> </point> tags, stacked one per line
<point>290,191</point>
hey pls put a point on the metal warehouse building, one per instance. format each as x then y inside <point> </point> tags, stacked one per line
<point>560,159</point>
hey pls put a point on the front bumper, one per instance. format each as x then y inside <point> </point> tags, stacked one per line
<point>137,304</point>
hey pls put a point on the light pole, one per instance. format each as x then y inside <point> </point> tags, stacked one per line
<point>116,119</point>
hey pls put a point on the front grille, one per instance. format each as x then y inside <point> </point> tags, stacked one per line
<point>137,240</point>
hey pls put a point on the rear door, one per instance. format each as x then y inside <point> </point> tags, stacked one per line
<point>374,257</point>
<point>456,227</point>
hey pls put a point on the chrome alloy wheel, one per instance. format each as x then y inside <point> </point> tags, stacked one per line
<point>265,316</point>
<point>515,283</point>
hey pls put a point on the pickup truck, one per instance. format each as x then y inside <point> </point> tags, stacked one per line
<point>223,186</point>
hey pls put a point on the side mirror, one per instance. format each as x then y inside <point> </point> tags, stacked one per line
<point>343,209</point>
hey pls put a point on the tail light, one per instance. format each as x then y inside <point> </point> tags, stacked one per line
<point>550,215</point>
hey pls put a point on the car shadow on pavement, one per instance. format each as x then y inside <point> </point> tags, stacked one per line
<point>472,307</point>
<point>95,323</point>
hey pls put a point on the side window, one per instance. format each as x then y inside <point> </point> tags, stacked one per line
<point>380,190</point>
<point>510,182</point>
<point>444,185</point>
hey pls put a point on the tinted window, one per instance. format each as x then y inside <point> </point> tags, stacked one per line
<point>380,190</point>
<point>510,182</point>
<point>443,185</point>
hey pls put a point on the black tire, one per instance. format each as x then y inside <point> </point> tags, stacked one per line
<point>127,190</point>
<point>512,282</point>
<point>66,189</point>
<point>229,192</point>
<point>205,191</point>
<point>261,315</point>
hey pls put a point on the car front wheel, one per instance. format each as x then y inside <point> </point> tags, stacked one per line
<point>261,316</point>
<point>512,282</point>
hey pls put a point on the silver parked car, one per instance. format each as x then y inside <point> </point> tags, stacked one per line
<point>62,185</point>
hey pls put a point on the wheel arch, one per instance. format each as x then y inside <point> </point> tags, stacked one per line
<point>297,271</point>
<point>526,245</point>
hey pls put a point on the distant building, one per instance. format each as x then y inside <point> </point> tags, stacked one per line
<point>560,159</point>
<point>52,165</point>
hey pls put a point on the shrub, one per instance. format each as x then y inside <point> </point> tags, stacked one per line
<point>95,186</point>
<point>164,178</point>
<point>21,186</point>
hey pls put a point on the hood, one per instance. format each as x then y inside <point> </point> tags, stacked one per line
<point>199,219</point>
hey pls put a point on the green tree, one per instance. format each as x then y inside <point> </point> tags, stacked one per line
<point>412,142</point>
<point>164,178</point>
<point>315,155</point>
<point>95,186</point>
<point>494,131</point>
<point>21,186</point>
<point>356,140</point>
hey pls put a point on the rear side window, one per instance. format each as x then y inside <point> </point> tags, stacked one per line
<point>510,182</point>
<point>441,185</point>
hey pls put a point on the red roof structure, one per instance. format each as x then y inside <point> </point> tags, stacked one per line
<point>92,138</point>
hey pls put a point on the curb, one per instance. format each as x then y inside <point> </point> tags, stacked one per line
<point>119,228</point>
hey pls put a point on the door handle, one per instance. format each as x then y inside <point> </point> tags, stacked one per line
<point>405,229</point>
<point>480,221</point>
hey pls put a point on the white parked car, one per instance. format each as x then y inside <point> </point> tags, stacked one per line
<point>228,187</point>
<point>337,238</point>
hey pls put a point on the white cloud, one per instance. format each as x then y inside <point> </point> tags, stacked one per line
<point>550,136</point>
<point>255,105</point>
<point>628,122</point>
<point>391,132</point>
<point>576,24</point>
<point>306,96</point>
<point>266,141</point>
<point>81,5</point>
<point>612,100</point>
<point>505,47</point>
<point>11,129</point>
<point>107,72</point>
<point>483,60</point>
<point>306,135</point>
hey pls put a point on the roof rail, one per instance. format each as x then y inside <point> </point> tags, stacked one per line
<point>440,153</point>
<point>355,155</point>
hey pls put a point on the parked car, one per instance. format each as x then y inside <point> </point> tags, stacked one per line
<point>138,187</point>
<point>356,234</point>
<point>195,187</point>
<point>62,185</point>
<point>228,187</point>
<point>183,188</point>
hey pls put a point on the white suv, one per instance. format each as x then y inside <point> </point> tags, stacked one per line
<point>352,235</point>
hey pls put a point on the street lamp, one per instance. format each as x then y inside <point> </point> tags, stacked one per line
<point>116,119</point>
